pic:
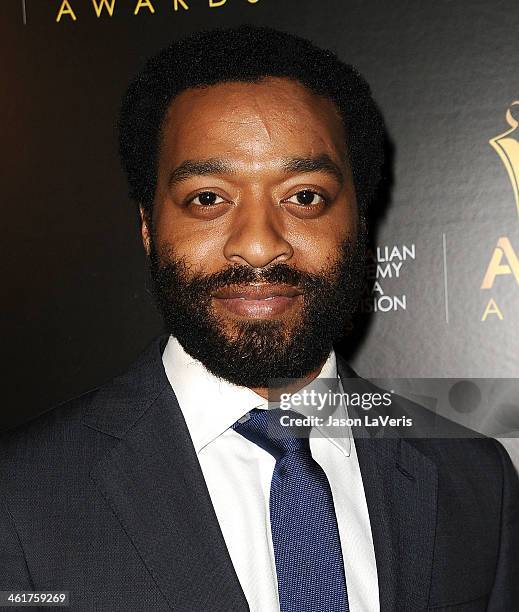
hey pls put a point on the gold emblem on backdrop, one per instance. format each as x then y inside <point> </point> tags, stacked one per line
<point>507,147</point>
<point>504,260</point>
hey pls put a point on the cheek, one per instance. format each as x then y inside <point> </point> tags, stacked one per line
<point>201,249</point>
<point>316,252</point>
<point>319,244</point>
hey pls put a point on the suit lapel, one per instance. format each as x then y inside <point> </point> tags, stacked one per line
<point>415,495</point>
<point>374,458</point>
<point>153,482</point>
<point>400,484</point>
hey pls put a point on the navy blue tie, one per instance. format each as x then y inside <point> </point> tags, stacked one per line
<point>307,548</point>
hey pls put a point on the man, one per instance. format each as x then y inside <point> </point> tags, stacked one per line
<point>253,157</point>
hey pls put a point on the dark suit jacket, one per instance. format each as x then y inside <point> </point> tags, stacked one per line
<point>104,497</point>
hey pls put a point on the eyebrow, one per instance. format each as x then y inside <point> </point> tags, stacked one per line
<point>189,168</point>
<point>321,163</point>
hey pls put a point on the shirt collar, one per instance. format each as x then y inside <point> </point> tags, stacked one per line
<point>211,405</point>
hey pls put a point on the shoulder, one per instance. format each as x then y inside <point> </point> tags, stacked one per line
<point>457,451</point>
<point>53,441</point>
<point>447,442</point>
<point>104,412</point>
<point>474,471</point>
<point>66,415</point>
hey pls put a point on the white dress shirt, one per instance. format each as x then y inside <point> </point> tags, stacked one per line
<point>238,474</point>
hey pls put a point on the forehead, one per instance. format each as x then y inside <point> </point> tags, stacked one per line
<point>273,117</point>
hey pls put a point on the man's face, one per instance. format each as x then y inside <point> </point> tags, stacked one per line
<point>254,238</point>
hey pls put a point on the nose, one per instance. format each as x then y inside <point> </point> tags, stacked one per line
<point>256,237</point>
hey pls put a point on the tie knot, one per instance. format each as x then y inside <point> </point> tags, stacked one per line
<point>275,431</point>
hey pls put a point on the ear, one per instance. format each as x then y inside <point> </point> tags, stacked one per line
<point>145,230</point>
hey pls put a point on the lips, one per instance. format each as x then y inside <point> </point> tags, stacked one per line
<point>259,301</point>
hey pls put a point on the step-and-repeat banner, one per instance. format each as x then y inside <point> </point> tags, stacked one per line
<point>443,297</point>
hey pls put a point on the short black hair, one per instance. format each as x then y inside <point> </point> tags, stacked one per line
<point>245,54</point>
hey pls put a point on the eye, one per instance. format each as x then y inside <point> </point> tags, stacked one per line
<point>306,197</point>
<point>207,198</point>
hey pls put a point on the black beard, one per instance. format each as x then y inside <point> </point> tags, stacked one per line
<point>259,351</point>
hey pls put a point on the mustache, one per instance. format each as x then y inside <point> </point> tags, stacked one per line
<point>238,274</point>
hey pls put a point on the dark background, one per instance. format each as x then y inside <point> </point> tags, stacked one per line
<point>77,309</point>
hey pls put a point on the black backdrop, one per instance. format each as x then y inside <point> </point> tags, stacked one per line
<point>76,305</point>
